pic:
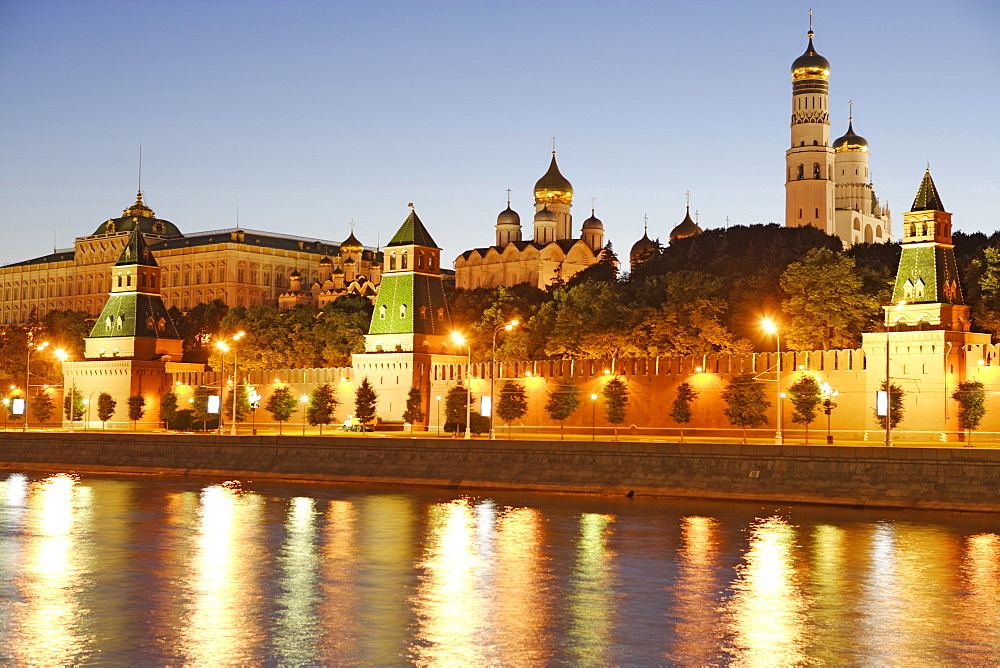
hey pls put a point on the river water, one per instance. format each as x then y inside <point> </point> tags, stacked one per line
<point>152,570</point>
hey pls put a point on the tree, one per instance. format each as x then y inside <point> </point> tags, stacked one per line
<point>199,409</point>
<point>745,403</point>
<point>322,403</point>
<point>615,394</point>
<point>455,403</point>
<point>105,408</point>
<point>365,402</point>
<point>513,403</point>
<point>281,405</point>
<point>826,306</point>
<point>971,398</point>
<point>562,403</point>
<point>42,407</point>
<point>242,402</point>
<point>76,399</point>
<point>895,406</point>
<point>680,410</point>
<point>806,395</point>
<point>413,414</point>
<point>136,408</point>
<point>168,408</point>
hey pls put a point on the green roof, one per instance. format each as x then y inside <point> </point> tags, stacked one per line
<point>927,198</point>
<point>400,300</point>
<point>132,314</point>
<point>136,252</point>
<point>932,268</point>
<point>412,232</point>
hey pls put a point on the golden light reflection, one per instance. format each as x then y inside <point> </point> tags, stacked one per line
<point>981,607</point>
<point>340,566</point>
<point>768,610</point>
<point>695,593</point>
<point>524,599</point>
<point>223,618</point>
<point>590,599</point>
<point>49,626</point>
<point>832,595</point>
<point>451,602</point>
<point>297,615</point>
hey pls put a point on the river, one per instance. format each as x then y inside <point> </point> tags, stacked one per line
<point>154,570</point>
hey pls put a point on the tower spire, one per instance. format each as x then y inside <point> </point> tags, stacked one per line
<point>140,170</point>
<point>810,12</point>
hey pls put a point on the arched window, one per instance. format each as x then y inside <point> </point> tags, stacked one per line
<point>878,231</point>
<point>402,310</point>
<point>403,264</point>
<point>392,260</point>
<point>815,170</point>
<point>109,323</point>
<point>420,260</point>
<point>440,314</point>
<point>815,143</point>
<point>423,312</point>
<point>857,224</point>
<point>381,312</point>
<point>801,172</point>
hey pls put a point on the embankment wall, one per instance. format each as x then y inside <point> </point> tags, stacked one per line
<point>934,478</point>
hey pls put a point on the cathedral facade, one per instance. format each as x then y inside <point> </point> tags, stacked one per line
<point>552,255</point>
<point>828,185</point>
<point>238,266</point>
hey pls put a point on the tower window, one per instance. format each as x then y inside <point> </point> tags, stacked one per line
<point>801,172</point>
<point>815,143</point>
<point>800,213</point>
<point>392,261</point>
<point>815,170</point>
<point>440,314</point>
<point>381,312</point>
<point>817,212</point>
<point>423,312</point>
<point>402,310</point>
<point>403,264</point>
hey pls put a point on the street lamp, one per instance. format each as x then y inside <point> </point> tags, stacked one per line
<point>458,338</point>
<point>507,326</point>
<point>593,417</point>
<point>63,356</point>
<point>223,346</point>
<point>829,403</point>
<point>86,402</point>
<point>27,378</point>
<point>772,328</point>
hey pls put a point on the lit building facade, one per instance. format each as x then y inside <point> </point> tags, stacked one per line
<point>238,266</point>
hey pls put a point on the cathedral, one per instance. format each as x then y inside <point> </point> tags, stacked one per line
<point>551,257</point>
<point>828,185</point>
<point>238,266</point>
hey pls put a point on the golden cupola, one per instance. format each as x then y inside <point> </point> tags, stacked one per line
<point>138,209</point>
<point>553,187</point>
<point>810,65</point>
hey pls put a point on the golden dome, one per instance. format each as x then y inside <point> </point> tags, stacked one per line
<point>686,228</point>
<point>138,209</point>
<point>850,141</point>
<point>810,65</point>
<point>553,187</point>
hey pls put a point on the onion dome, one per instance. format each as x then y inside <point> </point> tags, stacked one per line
<point>338,272</point>
<point>351,244</point>
<point>686,228</point>
<point>295,274</point>
<point>326,262</point>
<point>850,141</point>
<point>544,215</point>
<point>508,217</point>
<point>593,223</point>
<point>553,186</point>
<point>349,262</point>
<point>643,249</point>
<point>810,65</point>
<point>141,217</point>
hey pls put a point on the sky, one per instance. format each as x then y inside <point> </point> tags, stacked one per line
<point>299,117</point>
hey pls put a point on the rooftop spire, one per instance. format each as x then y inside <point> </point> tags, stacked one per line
<point>927,198</point>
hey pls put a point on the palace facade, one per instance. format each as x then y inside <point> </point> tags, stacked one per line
<point>241,267</point>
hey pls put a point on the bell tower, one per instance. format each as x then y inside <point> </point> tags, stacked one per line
<point>809,162</point>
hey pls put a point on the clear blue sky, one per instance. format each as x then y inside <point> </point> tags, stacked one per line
<point>306,115</point>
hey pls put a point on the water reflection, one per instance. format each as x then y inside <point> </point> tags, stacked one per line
<point>695,612</point>
<point>980,626</point>
<point>297,615</point>
<point>223,622</point>
<point>591,609</point>
<point>338,604</point>
<point>523,589</point>
<point>767,613</point>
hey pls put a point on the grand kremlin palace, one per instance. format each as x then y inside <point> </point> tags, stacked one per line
<point>238,266</point>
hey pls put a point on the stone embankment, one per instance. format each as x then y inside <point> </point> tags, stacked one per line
<point>933,478</point>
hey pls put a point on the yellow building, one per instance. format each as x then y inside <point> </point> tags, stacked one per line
<point>551,257</point>
<point>238,266</point>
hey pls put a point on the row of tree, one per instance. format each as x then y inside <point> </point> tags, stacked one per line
<point>42,407</point>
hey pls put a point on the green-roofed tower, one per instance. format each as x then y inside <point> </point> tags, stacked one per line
<point>411,326</point>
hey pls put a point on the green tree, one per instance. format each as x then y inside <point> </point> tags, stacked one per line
<point>806,395</point>
<point>593,321</point>
<point>562,403</point>
<point>826,304</point>
<point>413,413</point>
<point>688,321</point>
<point>896,395</point>
<point>242,402</point>
<point>136,408</point>
<point>281,405</point>
<point>745,403</point>
<point>455,403</point>
<point>168,408</point>
<point>365,402</point>
<point>322,402</point>
<point>42,407</point>
<point>513,403</point>
<point>680,410</point>
<point>76,399</point>
<point>971,398</point>
<point>615,395</point>
<point>105,408</point>
<point>199,409</point>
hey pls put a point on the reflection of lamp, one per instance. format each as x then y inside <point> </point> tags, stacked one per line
<point>772,328</point>
<point>829,403</point>
<point>458,338</point>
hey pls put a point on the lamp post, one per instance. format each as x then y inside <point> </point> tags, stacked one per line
<point>223,346</point>
<point>593,417</point>
<point>829,403</point>
<point>63,356</point>
<point>772,327</point>
<point>468,381</point>
<point>86,402</point>
<point>507,326</point>
<point>27,379</point>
